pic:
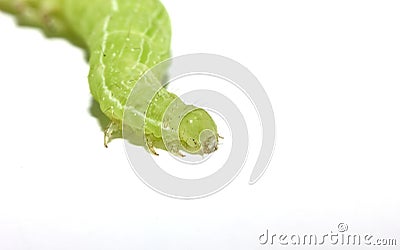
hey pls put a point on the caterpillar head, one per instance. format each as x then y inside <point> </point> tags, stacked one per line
<point>198,132</point>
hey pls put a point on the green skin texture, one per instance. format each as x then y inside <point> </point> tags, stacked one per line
<point>123,38</point>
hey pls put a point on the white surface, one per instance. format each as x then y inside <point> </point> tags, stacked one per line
<point>331,70</point>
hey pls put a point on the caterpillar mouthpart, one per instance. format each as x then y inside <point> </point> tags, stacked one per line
<point>208,141</point>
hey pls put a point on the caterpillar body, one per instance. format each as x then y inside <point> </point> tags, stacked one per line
<point>124,39</point>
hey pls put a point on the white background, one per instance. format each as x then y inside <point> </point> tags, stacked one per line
<point>331,70</point>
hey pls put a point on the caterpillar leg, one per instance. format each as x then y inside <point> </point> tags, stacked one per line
<point>173,148</point>
<point>112,131</point>
<point>150,146</point>
<point>179,153</point>
<point>153,142</point>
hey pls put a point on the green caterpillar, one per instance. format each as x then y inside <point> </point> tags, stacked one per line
<point>124,39</point>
